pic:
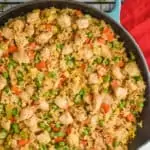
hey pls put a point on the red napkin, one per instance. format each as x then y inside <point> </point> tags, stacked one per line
<point>135,17</point>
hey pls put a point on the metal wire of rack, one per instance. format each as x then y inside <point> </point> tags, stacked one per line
<point>104,5</point>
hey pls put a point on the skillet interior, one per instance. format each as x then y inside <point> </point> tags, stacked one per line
<point>143,135</point>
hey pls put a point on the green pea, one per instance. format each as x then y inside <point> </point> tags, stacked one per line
<point>14,112</point>
<point>89,35</point>
<point>15,128</point>
<point>101,123</point>
<point>3,134</point>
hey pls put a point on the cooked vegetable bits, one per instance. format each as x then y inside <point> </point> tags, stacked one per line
<point>66,83</point>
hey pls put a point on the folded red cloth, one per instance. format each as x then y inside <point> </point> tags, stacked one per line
<point>135,17</point>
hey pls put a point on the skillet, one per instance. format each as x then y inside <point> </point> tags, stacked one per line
<point>143,134</point>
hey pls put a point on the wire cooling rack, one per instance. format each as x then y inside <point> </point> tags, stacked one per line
<point>104,5</point>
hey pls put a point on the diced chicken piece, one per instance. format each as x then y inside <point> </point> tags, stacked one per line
<point>5,124</point>
<point>121,93</point>
<point>8,33</point>
<point>93,78</point>
<point>30,90</point>
<point>51,148</point>
<point>45,53</point>
<point>32,123</point>
<point>61,102</point>
<point>14,144</point>
<point>3,82</point>
<point>67,50</point>
<point>66,118</point>
<point>44,138</point>
<point>64,21</point>
<point>87,54</point>
<point>33,17</point>
<point>101,70</point>
<point>97,103</point>
<point>43,37</point>
<point>132,69</point>
<point>21,40</point>
<point>18,25</point>
<point>105,52</point>
<point>25,97</point>
<point>117,73</point>
<point>43,105</point>
<point>27,113</point>
<point>21,56</point>
<point>82,23</point>
<point>94,120</point>
<point>29,30</point>
<point>73,139</point>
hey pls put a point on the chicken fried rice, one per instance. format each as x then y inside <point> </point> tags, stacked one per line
<point>66,83</point>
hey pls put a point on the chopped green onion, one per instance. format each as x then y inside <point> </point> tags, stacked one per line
<point>43,147</point>
<point>86,131</point>
<point>39,80</point>
<point>59,46</point>
<point>58,125</point>
<point>59,134</point>
<point>14,112</point>
<point>137,78</point>
<point>44,126</point>
<point>24,135</point>
<point>107,78</point>
<point>132,56</point>
<point>79,97</point>
<point>37,58</point>
<point>122,104</point>
<point>52,74</point>
<point>3,134</point>
<point>35,97</point>
<point>70,61</point>
<point>89,35</point>
<point>101,123</point>
<point>116,144</point>
<point>141,104</point>
<point>15,128</point>
<point>12,64</point>
<point>106,90</point>
<point>55,107</point>
<point>98,60</point>
<point>5,75</point>
<point>6,89</point>
<point>106,61</point>
<point>117,45</point>
<point>116,59</point>
<point>19,76</point>
<point>51,93</point>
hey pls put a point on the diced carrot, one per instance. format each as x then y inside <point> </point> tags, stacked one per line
<point>2,68</point>
<point>54,128</point>
<point>68,130</point>
<point>62,80</point>
<point>85,122</point>
<point>16,90</point>
<point>114,84</point>
<point>31,54</point>
<point>83,142</point>
<point>130,117</point>
<point>41,65</point>
<point>105,107</point>
<point>12,119</point>
<point>59,139</point>
<point>48,27</point>
<point>78,13</point>
<point>12,49</point>
<point>121,64</point>
<point>110,36</point>
<point>101,40</point>
<point>106,30</point>
<point>87,41</point>
<point>32,45</point>
<point>23,142</point>
<point>83,66</point>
